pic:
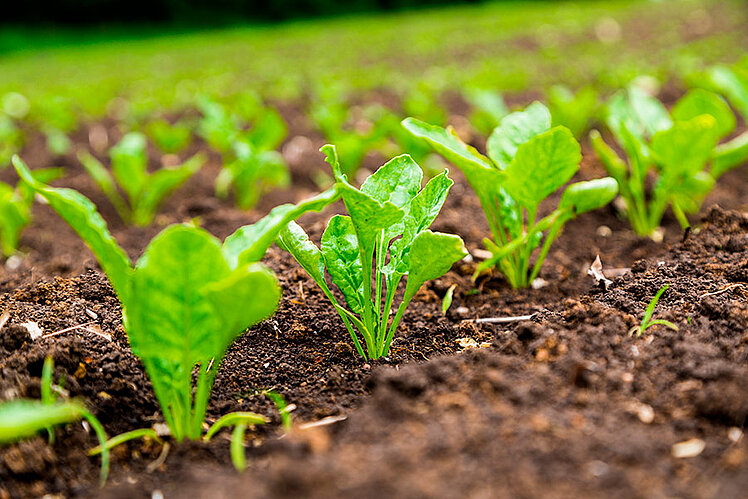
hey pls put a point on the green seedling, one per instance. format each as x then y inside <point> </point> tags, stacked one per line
<point>527,162</point>
<point>11,140</point>
<point>647,320</point>
<point>389,216</point>
<point>679,149</point>
<point>15,209</point>
<point>240,421</point>
<point>488,109</point>
<point>169,138</point>
<point>24,418</point>
<point>447,301</point>
<point>144,191</point>
<point>254,167</point>
<point>284,409</point>
<point>730,81</point>
<point>187,298</point>
<point>574,111</point>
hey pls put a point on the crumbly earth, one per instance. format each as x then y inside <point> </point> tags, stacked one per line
<point>556,406</point>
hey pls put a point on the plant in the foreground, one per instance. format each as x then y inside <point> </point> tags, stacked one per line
<point>24,418</point>
<point>647,320</point>
<point>679,149</point>
<point>574,111</point>
<point>187,298</point>
<point>144,190</point>
<point>254,167</point>
<point>169,138</point>
<point>388,217</point>
<point>527,162</point>
<point>15,208</point>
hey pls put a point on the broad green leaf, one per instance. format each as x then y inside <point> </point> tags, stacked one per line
<point>294,240</point>
<point>268,131</point>
<point>160,184</point>
<point>432,254</point>
<point>249,243</point>
<point>248,295</point>
<point>23,418</point>
<point>397,181</point>
<point>341,253</point>
<point>81,214</point>
<point>589,195</point>
<point>697,102</point>
<point>129,164</point>
<point>650,113</point>
<point>733,85</point>
<point>369,216</point>
<point>167,315</point>
<point>542,165</point>
<point>687,146</point>
<point>455,151</point>
<point>516,129</point>
<point>730,155</point>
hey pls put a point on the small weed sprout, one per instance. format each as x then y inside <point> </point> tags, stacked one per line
<point>24,418</point>
<point>647,320</point>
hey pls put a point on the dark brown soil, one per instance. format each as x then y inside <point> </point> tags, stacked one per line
<point>545,411</point>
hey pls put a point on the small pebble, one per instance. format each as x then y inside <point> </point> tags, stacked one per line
<point>688,448</point>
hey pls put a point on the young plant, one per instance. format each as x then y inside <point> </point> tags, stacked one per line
<point>187,298</point>
<point>679,149</point>
<point>145,191</point>
<point>15,209</point>
<point>574,111</point>
<point>11,140</point>
<point>647,320</point>
<point>527,162</point>
<point>170,139</point>
<point>24,418</point>
<point>254,167</point>
<point>384,238</point>
<point>730,81</point>
<point>488,109</point>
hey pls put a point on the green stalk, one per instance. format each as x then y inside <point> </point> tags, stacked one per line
<point>125,437</point>
<point>395,322</point>
<point>549,238</point>
<point>237,447</point>
<point>391,289</point>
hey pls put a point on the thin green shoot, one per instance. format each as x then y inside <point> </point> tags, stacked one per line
<point>647,320</point>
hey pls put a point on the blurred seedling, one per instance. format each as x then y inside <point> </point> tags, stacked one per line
<point>647,320</point>
<point>23,418</point>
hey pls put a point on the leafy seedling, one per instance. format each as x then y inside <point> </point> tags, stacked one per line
<point>447,301</point>
<point>647,320</point>
<point>488,109</point>
<point>574,111</point>
<point>384,238</point>
<point>527,162</point>
<point>187,298</point>
<point>730,81</point>
<point>144,191</point>
<point>679,149</point>
<point>11,140</point>
<point>169,138</point>
<point>254,167</point>
<point>15,208</point>
<point>24,418</point>
<point>284,408</point>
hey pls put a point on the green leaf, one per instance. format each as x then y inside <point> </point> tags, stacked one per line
<point>613,164</point>
<point>294,240</point>
<point>697,102</point>
<point>80,213</point>
<point>14,217</point>
<point>542,165</point>
<point>249,243</point>
<point>159,185</point>
<point>22,418</point>
<point>432,254</point>
<point>368,215</point>
<point>167,315</point>
<point>733,85</point>
<point>129,164</point>
<point>685,147</point>
<point>268,131</point>
<point>649,112</point>
<point>104,180</point>
<point>730,155</point>
<point>341,253</point>
<point>516,129</point>
<point>247,296</point>
<point>589,195</point>
<point>397,181</point>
